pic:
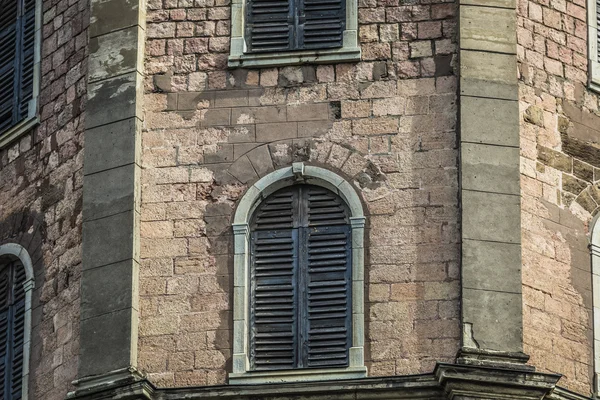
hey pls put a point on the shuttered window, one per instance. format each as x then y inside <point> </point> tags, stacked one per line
<point>300,302</point>
<point>285,25</point>
<point>17,53</point>
<point>12,329</point>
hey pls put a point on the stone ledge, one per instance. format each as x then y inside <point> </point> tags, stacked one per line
<point>447,381</point>
<point>345,54</point>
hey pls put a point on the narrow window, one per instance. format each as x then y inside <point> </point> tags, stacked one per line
<point>594,43</point>
<point>17,58</point>
<point>301,274</point>
<point>284,25</point>
<point>12,329</point>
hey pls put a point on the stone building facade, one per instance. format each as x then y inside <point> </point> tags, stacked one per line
<point>468,131</point>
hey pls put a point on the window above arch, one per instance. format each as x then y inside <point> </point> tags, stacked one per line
<point>298,280</point>
<point>288,32</point>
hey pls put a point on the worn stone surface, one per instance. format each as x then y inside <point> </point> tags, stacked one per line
<point>386,123</point>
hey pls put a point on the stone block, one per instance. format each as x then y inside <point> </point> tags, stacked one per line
<point>491,266</point>
<point>110,240</point>
<point>276,131</point>
<point>243,171</point>
<point>107,341</point>
<point>114,145</point>
<point>308,112</point>
<point>491,216</point>
<point>488,29</point>
<point>261,160</point>
<point>191,100</point>
<point>490,168</point>
<point>114,99</point>
<point>216,117</point>
<point>231,98</point>
<point>511,4</point>
<point>490,75</point>
<point>258,115</point>
<point>495,319</point>
<point>490,121</point>
<point>314,128</point>
<point>115,53</point>
<point>109,288</point>
<point>112,15</point>
<point>111,192</point>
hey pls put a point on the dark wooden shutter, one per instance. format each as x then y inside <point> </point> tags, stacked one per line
<point>8,58</point>
<point>274,313</point>
<point>281,25</point>
<point>597,38</point>
<point>270,25</point>
<point>12,330</point>
<point>322,23</point>
<point>328,280</point>
<point>27,57</point>
<point>17,332</point>
<point>17,53</point>
<point>301,280</point>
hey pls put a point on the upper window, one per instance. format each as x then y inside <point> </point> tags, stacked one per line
<point>301,293</point>
<point>12,329</point>
<point>298,279</point>
<point>286,32</point>
<point>18,63</point>
<point>594,43</point>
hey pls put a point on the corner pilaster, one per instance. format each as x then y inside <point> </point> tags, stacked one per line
<point>492,316</point>
<point>111,198</point>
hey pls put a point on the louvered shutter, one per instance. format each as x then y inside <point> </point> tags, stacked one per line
<point>26,59</point>
<point>301,280</point>
<point>328,260</point>
<point>274,313</point>
<point>8,73</point>
<point>5,342</point>
<point>17,53</point>
<point>597,38</point>
<point>270,25</point>
<point>322,23</point>
<point>17,332</point>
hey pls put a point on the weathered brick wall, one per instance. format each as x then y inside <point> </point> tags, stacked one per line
<point>386,123</point>
<point>559,165</point>
<point>40,198</point>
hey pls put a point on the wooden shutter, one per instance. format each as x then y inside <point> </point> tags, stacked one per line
<point>17,332</point>
<point>597,38</point>
<point>27,56</point>
<point>12,330</point>
<point>8,59</point>
<point>270,25</point>
<point>281,25</point>
<point>17,52</point>
<point>301,280</point>
<point>322,23</point>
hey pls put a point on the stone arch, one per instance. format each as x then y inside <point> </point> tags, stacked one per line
<point>277,179</point>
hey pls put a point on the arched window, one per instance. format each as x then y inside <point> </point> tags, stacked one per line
<point>298,279</point>
<point>12,328</point>
<point>16,286</point>
<point>301,305</point>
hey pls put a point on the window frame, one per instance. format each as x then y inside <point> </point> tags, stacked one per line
<point>240,57</point>
<point>594,58</point>
<point>14,132</point>
<point>241,372</point>
<point>16,251</point>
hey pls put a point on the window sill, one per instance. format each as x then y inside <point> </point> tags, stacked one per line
<point>17,131</point>
<point>299,375</point>
<point>344,54</point>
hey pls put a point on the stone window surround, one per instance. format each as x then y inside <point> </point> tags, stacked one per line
<point>14,132</point>
<point>595,251</point>
<point>594,67</point>
<point>238,57</point>
<point>278,179</point>
<point>15,250</point>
